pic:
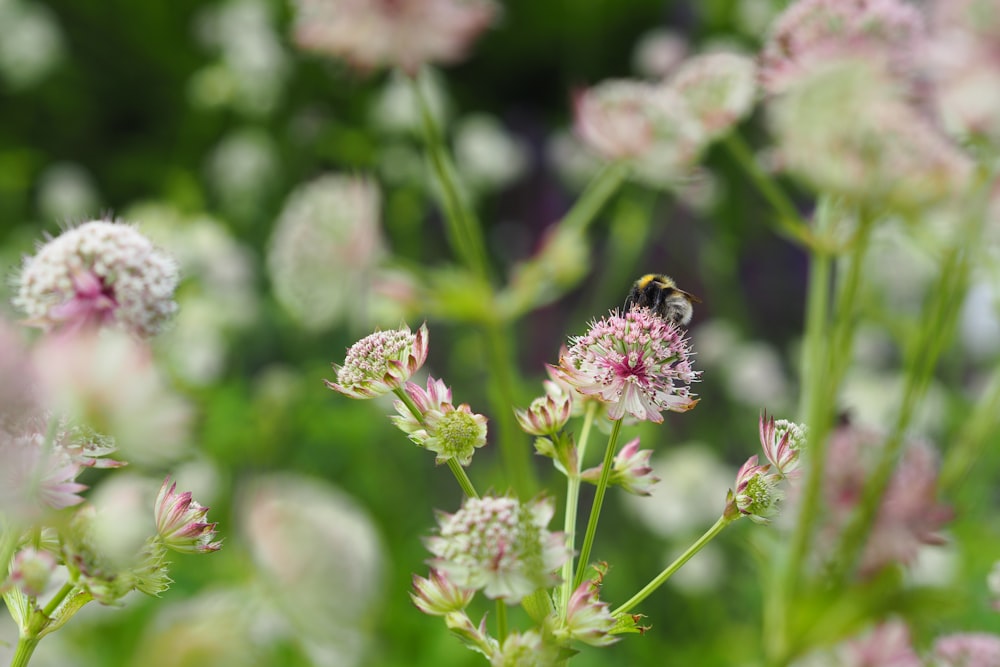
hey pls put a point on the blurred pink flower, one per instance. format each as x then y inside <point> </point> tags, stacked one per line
<point>637,363</point>
<point>719,88</point>
<point>887,645</point>
<point>909,514</point>
<point>972,649</point>
<point>631,470</point>
<point>392,33</point>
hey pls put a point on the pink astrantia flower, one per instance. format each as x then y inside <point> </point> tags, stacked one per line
<point>587,618</point>
<point>180,522</point>
<point>437,596</point>
<point>393,33</point>
<point>34,477</point>
<point>631,470</point>
<point>381,362</point>
<point>452,432</point>
<point>972,649</point>
<point>526,649</point>
<point>757,494</point>
<point>781,441</point>
<point>719,88</point>
<point>98,273</point>
<point>499,545</point>
<point>547,414</point>
<point>909,514</point>
<point>637,363</point>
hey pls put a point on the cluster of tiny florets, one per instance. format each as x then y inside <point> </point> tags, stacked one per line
<point>381,362</point>
<point>103,272</point>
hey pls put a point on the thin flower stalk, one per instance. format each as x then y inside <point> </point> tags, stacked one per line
<point>595,509</point>
<point>572,503</point>
<point>601,188</point>
<point>668,572</point>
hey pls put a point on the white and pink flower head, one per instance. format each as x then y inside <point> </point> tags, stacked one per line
<point>381,362</point>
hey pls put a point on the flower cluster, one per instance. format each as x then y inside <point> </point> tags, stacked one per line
<point>99,273</point>
<point>636,363</point>
<point>381,363</point>
<point>499,545</point>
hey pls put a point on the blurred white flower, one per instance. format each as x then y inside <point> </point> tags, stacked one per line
<point>315,548</point>
<point>935,566</point>
<point>871,398</point>
<point>979,323</point>
<point>397,109</point>
<point>691,494</point>
<point>325,245</point>
<point>657,53</point>
<point>66,193</point>
<point>571,159</point>
<point>253,61</point>
<point>488,157</point>
<point>242,169</point>
<point>124,517</point>
<point>31,43</point>
<point>704,573</point>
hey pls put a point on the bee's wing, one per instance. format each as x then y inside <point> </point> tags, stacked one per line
<point>690,296</point>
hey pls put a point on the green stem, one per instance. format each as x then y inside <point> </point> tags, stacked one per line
<point>659,580</point>
<point>501,621</point>
<point>595,509</point>
<point>972,438</point>
<point>25,648</point>
<point>790,223</point>
<point>514,448</point>
<point>456,469</point>
<point>464,231</point>
<point>597,193</point>
<point>938,320</point>
<point>572,502</point>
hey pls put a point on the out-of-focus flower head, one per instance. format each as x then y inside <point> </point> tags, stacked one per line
<point>886,645</point>
<point>631,470</point>
<point>970,649</point>
<point>324,248</point>
<point>648,126</point>
<point>381,362</point>
<point>909,514</point>
<point>314,548</point>
<point>31,570</point>
<point>180,522</point>
<point>812,33</point>
<point>66,191</point>
<point>487,155</point>
<point>31,43</point>
<point>108,381</point>
<point>657,53</point>
<point>636,363</point>
<point>993,584</point>
<point>450,432</point>
<point>36,477</point>
<point>963,63</point>
<point>875,145</point>
<point>98,273</point>
<point>525,649</point>
<point>437,596</point>
<point>370,34</point>
<point>499,545</point>
<point>719,88</point>
<point>546,415</point>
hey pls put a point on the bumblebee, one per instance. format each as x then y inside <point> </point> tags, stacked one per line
<point>661,295</point>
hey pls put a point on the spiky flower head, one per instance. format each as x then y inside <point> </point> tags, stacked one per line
<point>547,414</point>
<point>782,441</point>
<point>719,88</point>
<point>449,431</point>
<point>381,362</point>
<point>180,522</point>
<point>437,596</point>
<point>636,363</point>
<point>99,273</point>
<point>757,494</point>
<point>525,649</point>
<point>499,545</point>
<point>587,618</point>
<point>394,33</point>
<point>969,649</point>
<point>35,478</point>
<point>648,126</point>
<point>630,470</point>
